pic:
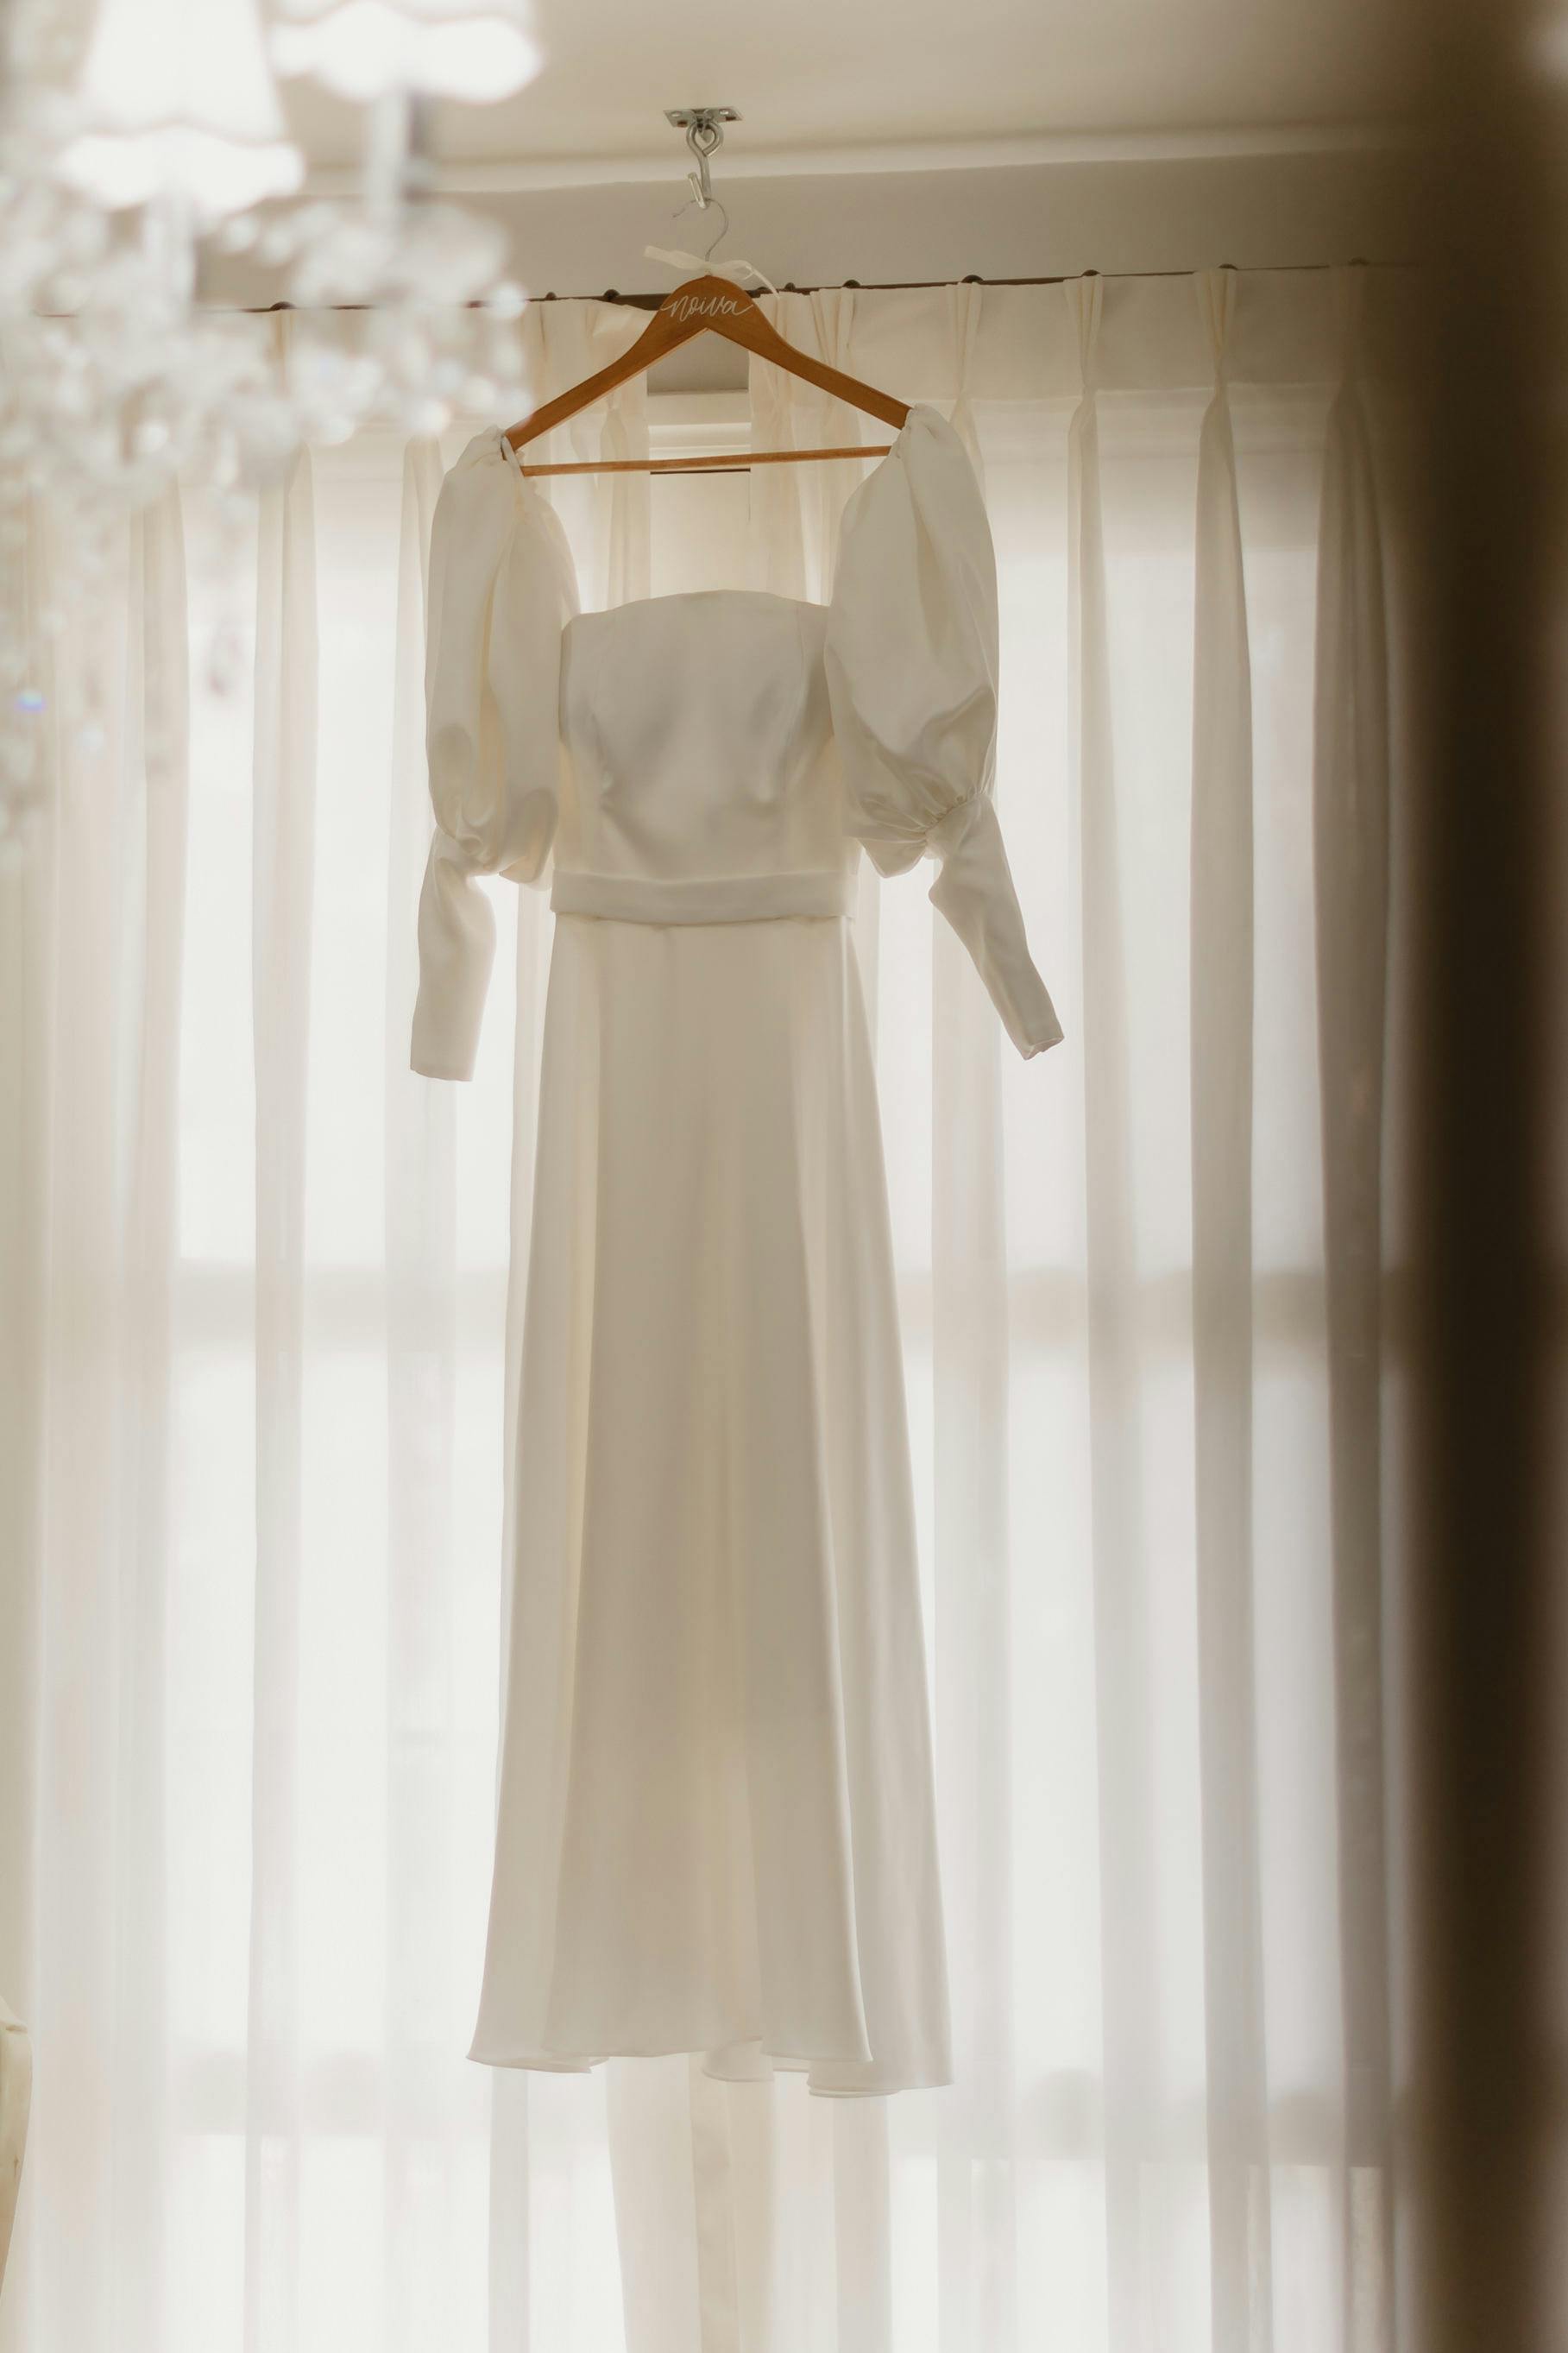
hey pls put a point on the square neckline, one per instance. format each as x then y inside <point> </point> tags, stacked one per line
<point>686,595</point>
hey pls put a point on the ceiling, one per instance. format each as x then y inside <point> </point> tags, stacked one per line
<point>823,85</point>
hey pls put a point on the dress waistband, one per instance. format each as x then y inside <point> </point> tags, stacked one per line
<point>701,898</point>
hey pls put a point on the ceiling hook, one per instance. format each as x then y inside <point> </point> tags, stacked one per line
<point>704,128</point>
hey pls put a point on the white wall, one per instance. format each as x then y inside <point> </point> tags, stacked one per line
<point>1025,220</point>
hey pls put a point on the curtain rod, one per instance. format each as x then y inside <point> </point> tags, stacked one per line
<point>857,286</point>
<point>918,285</point>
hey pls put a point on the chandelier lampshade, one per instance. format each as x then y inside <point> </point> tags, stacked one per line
<point>477,50</point>
<point>179,100</point>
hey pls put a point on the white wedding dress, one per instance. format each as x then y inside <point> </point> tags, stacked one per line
<point>716,1826</point>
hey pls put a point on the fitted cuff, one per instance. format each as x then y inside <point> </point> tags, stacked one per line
<point>973,890</point>
<point>457,948</point>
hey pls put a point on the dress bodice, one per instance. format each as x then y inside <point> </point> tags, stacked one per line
<point>697,734</point>
<point>723,755</point>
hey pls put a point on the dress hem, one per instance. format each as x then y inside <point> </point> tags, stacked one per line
<point>773,2062</point>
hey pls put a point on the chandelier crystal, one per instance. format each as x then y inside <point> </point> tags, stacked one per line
<point>123,160</point>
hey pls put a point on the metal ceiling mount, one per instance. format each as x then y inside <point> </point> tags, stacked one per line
<point>704,128</point>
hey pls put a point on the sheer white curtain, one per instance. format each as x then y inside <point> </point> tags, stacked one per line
<point>259,1361</point>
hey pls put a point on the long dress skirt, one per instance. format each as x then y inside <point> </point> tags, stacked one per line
<point>716,1827</point>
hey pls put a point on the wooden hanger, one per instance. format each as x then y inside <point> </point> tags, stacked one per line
<point>709,305</point>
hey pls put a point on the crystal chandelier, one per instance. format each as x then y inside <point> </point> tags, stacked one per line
<point>134,144</point>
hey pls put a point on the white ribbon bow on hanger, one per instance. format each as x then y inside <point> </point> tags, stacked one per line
<point>737,272</point>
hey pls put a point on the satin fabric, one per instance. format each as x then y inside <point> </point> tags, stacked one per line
<point>716,1823</point>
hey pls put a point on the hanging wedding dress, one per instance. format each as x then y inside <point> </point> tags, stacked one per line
<point>716,1827</point>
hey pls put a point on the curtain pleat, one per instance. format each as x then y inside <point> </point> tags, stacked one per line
<point>31,940</point>
<point>1350,839</point>
<point>422,2109</point>
<point>1222,1082</point>
<point>70,2156</point>
<point>862,2233</point>
<point>972,1570</point>
<point>28,949</point>
<point>156,771</point>
<point>1118,1534</point>
<point>283,825</point>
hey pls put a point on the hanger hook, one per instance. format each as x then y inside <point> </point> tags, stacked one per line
<point>712,205</point>
<point>719,233</point>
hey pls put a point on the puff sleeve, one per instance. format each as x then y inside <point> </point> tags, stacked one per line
<point>500,592</point>
<point>911,661</point>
